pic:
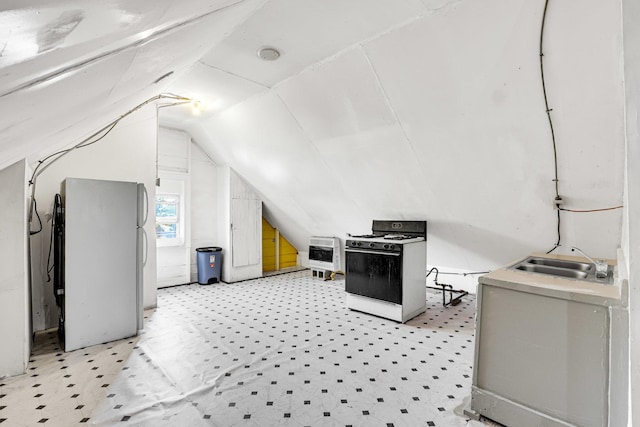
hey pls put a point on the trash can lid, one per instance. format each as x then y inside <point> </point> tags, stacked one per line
<point>209,249</point>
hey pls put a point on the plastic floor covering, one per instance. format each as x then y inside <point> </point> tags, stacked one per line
<point>276,351</point>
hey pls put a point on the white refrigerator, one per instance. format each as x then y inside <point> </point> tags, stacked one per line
<point>102,261</point>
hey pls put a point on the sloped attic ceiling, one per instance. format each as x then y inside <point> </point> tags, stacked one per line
<point>420,109</point>
<point>69,67</point>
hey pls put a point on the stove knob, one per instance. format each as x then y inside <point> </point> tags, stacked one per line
<point>372,245</point>
<point>359,243</point>
<point>387,246</point>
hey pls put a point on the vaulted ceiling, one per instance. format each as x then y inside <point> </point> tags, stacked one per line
<point>375,109</point>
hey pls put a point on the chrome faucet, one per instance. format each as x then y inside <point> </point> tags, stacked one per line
<point>600,265</point>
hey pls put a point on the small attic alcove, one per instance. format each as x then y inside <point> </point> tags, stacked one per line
<point>277,253</point>
<point>216,208</point>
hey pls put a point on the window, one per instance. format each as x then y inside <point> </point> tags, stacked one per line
<point>168,217</point>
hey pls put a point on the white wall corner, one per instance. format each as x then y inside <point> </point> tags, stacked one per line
<point>631,227</point>
<point>15,313</point>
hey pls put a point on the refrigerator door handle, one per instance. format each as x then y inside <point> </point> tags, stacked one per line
<point>143,250</point>
<point>145,246</point>
<point>146,208</point>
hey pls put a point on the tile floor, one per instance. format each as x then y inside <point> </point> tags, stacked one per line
<point>276,351</point>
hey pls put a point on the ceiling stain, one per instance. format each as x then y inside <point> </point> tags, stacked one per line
<point>57,31</point>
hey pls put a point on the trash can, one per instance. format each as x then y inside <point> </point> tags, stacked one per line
<point>209,264</point>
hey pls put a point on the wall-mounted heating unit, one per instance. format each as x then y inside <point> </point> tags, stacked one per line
<point>324,253</point>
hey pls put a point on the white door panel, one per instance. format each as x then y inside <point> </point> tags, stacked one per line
<point>246,217</point>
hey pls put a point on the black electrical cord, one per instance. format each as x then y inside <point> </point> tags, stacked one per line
<point>453,273</point>
<point>99,135</point>
<point>57,204</point>
<point>546,101</point>
<point>35,209</point>
<point>553,140</point>
<point>57,207</point>
<point>557,244</point>
<point>61,152</point>
<point>553,135</point>
<point>447,288</point>
<point>464,274</point>
<point>431,271</point>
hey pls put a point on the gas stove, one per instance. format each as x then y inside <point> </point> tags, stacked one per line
<point>381,242</point>
<point>385,235</point>
<point>378,237</point>
<point>386,270</point>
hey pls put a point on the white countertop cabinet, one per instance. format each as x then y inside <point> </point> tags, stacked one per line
<point>542,350</point>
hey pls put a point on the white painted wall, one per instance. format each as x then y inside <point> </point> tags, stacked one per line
<point>631,229</point>
<point>128,153</point>
<point>231,186</point>
<point>454,91</point>
<point>442,118</point>
<point>173,255</point>
<point>180,158</point>
<point>204,202</point>
<point>174,170</point>
<point>15,313</point>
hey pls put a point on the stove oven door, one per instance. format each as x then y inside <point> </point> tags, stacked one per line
<point>374,274</point>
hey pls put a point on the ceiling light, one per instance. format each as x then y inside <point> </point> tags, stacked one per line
<point>196,108</point>
<point>268,53</point>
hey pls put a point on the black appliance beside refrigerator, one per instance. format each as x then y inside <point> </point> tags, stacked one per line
<point>98,242</point>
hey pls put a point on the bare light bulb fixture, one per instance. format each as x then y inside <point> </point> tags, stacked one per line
<point>268,53</point>
<point>196,107</point>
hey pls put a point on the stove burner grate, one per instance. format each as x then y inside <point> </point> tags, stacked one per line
<point>384,236</point>
<point>398,237</point>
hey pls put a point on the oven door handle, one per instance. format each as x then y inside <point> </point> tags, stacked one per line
<point>373,252</point>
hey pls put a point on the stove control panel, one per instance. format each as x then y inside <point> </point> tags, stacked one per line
<point>378,246</point>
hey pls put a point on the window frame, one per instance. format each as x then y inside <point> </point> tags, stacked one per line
<point>178,220</point>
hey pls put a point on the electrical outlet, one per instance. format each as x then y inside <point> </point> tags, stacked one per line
<point>557,202</point>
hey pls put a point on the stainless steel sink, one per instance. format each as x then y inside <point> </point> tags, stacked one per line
<point>573,265</point>
<point>563,268</point>
<point>556,271</point>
